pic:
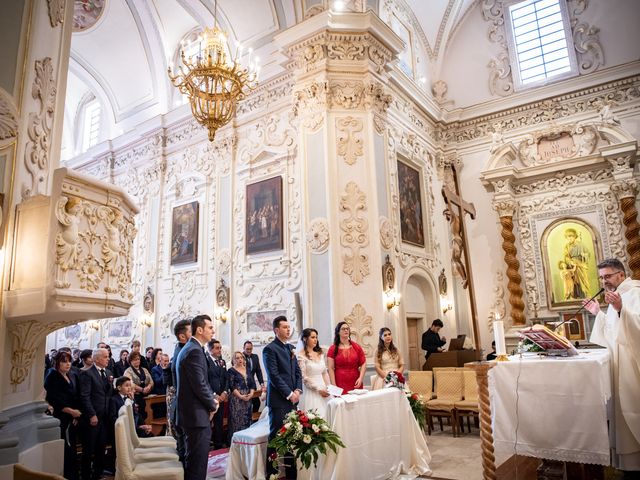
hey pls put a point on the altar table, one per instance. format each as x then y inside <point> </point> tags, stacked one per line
<point>379,430</point>
<point>553,408</point>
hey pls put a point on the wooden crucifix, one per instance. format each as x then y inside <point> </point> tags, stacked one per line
<point>456,209</point>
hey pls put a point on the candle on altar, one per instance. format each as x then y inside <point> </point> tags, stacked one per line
<point>498,333</point>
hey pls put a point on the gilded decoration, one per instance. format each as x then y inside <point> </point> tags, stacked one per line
<point>39,129</point>
<point>361,325</point>
<point>355,235</point>
<point>350,145</point>
<point>318,235</point>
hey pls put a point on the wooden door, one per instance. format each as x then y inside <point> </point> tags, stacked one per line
<point>413,338</point>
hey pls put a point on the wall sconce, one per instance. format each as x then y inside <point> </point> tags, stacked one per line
<point>445,304</point>
<point>392,299</point>
<point>222,302</point>
<point>94,325</point>
<point>146,321</point>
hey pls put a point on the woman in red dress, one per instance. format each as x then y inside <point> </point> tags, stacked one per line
<point>346,360</point>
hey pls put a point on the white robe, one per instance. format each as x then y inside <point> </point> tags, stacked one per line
<point>621,335</point>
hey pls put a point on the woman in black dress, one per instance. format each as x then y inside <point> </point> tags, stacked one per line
<point>62,394</point>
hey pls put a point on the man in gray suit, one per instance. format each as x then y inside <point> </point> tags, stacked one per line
<point>196,402</point>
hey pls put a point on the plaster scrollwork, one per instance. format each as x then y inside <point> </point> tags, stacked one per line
<point>500,78</point>
<point>350,144</point>
<point>621,164</point>
<point>587,44</point>
<point>361,325</point>
<point>387,234</point>
<point>346,50</point>
<point>309,104</point>
<point>355,233</point>
<point>223,262</point>
<point>39,129</point>
<point>499,307</point>
<point>8,117</point>
<point>625,189</point>
<point>26,336</point>
<point>348,95</point>
<point>439,90</point>
<point>561,182</point>
<point>566,141</point>
<point>56,12</point>
<point>505,208</point>
<point>96,242</point>
<point>318,235</point>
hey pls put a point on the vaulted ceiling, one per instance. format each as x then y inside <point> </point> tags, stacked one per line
<point>123,58</point>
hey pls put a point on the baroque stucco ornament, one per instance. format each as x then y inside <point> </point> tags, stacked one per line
<point>355,235</point>
<point>39,129</point>
<point>350,145</point>
<point>56,12</point>
<point>318,235</point>
<point>361,325</point>
<point>386,233</point>
<point>8,117</point>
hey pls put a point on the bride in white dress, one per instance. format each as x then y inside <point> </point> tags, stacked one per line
<point>314,373</point>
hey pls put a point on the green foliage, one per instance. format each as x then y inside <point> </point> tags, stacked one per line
<point>306,435</point>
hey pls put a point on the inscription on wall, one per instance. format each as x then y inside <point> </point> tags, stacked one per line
<point>560,146</point>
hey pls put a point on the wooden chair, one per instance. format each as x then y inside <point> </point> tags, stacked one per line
<point>20,472</point>
<point>448,390</point>
<point>468,407</point>
<point>158,424</point>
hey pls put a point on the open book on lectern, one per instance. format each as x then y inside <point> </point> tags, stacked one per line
<point>548,340</point>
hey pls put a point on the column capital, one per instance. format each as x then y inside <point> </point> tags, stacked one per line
<point>625,188</point>
<point>505,207</point>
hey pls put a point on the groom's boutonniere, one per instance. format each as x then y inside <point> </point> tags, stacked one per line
<point>292,350</point>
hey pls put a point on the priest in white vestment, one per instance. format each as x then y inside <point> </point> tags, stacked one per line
<point>619,331</point>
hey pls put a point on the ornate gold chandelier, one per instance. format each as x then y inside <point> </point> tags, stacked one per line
<point>213,80</point>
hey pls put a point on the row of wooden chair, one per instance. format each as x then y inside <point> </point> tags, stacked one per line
<point>451,393</point>
<point>153,458</point>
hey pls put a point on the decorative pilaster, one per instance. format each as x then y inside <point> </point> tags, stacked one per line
<point>506,209</point>
<point>626,192</point>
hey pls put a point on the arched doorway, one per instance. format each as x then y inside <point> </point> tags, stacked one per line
<point>420,308</point>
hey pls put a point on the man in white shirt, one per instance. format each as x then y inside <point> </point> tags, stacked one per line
<point>619,330</point>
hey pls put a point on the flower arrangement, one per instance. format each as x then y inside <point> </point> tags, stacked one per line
<point>526,345</point>
<point>394,379</point>
<point>306,435</point>
<point>417,406</point>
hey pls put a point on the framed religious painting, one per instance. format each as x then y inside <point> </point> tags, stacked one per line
<point>262,322</point>
<point>263,223</point>
<point>571,252</point>
<point>184,233</point>
<point>411,206</point>
<point>574,328</point>
<point>119,329</point>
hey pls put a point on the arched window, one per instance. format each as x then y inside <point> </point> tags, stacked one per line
<point>90,124</point>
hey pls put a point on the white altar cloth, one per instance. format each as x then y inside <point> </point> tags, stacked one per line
<point>248,451</point>
<point>381,435</point>
<point>553,408</point>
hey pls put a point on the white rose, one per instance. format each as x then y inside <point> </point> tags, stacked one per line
<point>306,439</point>
<point>324,428</point>
<point>315,428</point>
<point>310,416</point>
<point>287,425</point>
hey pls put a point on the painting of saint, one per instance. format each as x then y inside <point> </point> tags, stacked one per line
<point>571,254</point>
<point>262,321</point>
<point>410,199</point>
<point>263,226</point>
<point>184,234</point>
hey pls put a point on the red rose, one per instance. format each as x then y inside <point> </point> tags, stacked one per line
<point>306,424</point>
<point>283,429</point>
<point>414,396</point>
<point>400,377</point>
<point>304,419</point>
<point>273,456</point>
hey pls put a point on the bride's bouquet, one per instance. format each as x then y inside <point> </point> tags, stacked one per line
<point>306,435</point>
<point>394,379</point>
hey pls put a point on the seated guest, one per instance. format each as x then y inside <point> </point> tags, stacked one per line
<point>241,386</point>
<point>492,355</point>
<point>346,360</point>
<point>218,379</point>
<point>63,396</point>
<point>122,364</point>
<point>387,359</point>
<point>86,359</point>
<point>314,373</point>
<point>123,395</point>
<point>142,382</point>
<point>431,340</point>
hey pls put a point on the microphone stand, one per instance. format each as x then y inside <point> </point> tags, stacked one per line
<point>573,317</point>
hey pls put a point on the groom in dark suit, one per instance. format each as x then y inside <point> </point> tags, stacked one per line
<point>196,402</point>
<point>284,386</point>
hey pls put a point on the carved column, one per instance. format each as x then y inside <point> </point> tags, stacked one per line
<point>506,209</point>
<point>486,431</point>
<point>626,192</point>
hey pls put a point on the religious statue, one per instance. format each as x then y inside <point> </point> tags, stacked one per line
<point>457,246</point>
<point>67,240</point>
<point>575,265</point>
<point>112,252</point>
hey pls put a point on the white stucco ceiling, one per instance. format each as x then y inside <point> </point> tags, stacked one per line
<point>124,57</point>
